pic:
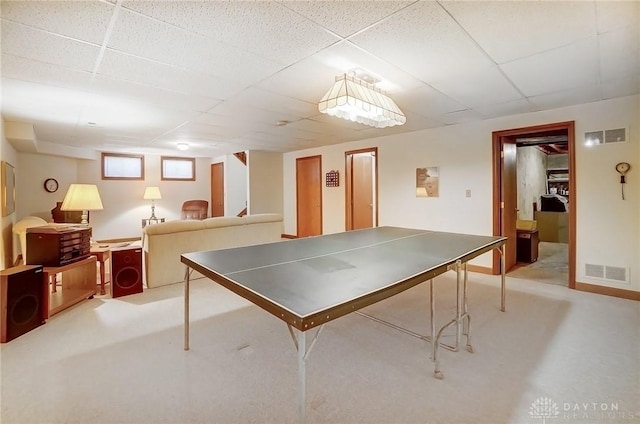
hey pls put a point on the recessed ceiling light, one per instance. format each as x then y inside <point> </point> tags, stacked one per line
<point>182,146</point>
<point>92,124</point>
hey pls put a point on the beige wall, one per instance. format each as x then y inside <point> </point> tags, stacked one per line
<point>265,182</point>
<point>608,228</point>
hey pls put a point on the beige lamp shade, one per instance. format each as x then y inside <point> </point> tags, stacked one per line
<point>82,197</point>
<point>152,193</point>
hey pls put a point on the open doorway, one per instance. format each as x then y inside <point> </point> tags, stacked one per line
<point>534,191</point>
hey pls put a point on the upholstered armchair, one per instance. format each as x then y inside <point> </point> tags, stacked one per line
<point>194,209</point>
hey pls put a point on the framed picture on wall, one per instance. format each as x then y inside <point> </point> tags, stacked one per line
<point>8,189</point>
<point>428,182</point>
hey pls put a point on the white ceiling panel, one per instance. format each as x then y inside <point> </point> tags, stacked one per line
<point>619,53</point>
<point>16,67</point>
<point>479,87</point>
<point>346,18</point>
<point>262,28</point>
<point>225,73</point>
<point>583,94</point>
<point>621,87</point>
<point>86,20</point>
<point>508,108</point>
<point>30,43</point>
<point>426,43</point>
<point>509,30</point>
<point>612,15</point>
<point>153,95</point>
<point>562,68</point>
<point>41,102</point>
<point>131,68</point>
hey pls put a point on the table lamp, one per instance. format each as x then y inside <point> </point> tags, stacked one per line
<point>152,193</point>
<point>82,197</point>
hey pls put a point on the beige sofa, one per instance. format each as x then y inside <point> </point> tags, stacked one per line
<point>163,243</point>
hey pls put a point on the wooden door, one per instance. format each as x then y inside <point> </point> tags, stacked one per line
<point>309,196</point>
<point>509,199</point>
<point>360,189</point>
<point>217,189</point>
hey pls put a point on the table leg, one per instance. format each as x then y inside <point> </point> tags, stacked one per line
<point>186,309</point>
<point>301,337</point>
<point>102,277</point>
<point>502,278</point>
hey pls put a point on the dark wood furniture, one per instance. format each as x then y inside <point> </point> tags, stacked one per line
<point>102,254</point>
<point>527,246</point>
<point>51,245</point>
<point>70,217</point>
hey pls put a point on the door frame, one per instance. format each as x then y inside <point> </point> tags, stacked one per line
<point>497,145</point>
<point>349,184</point>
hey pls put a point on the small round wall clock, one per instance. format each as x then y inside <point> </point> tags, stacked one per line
<point>51,185</point>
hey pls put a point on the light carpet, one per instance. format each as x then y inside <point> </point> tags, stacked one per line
<point>122,361</point>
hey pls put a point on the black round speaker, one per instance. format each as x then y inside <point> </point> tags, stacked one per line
<point>24,309</point>
<point>127,277</point>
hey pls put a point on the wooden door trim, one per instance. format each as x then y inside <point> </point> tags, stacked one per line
<point>497,140</point>
<point>348,172</point>
<point>319,157</point>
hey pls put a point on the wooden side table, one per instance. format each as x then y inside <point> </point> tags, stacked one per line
<point>78,283</point>
<point>102,254</point>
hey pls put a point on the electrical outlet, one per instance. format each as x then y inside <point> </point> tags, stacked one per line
<point>467,192</point>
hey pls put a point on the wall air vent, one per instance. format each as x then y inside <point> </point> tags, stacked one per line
<point>607,273</point>
<point>616,135</point>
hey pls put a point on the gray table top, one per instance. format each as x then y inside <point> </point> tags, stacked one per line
<point>309,281</point>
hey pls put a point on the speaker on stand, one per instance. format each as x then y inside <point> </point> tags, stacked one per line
<point>126,271</point>
<point>23,300</point>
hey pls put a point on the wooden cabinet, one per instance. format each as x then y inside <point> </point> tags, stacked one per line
<point>78,282</point>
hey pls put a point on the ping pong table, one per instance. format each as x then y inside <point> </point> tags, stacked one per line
<point>308,282</point>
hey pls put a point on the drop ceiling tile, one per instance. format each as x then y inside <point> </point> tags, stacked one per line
<point>262,99</point>
<point>619,53</point>
<point>572,96</point>
<point>23,41</point>
<point>16,67</point>
<point>153,95</point>
<point>141,36</point>
<point>508,30</point>
<point>131,68</point>
<point>346,18</point>
<point>556,70</point>
<point>621,87</point>
<point>480,86</point>
<point>460,117</point>
<point>613,15</point>
<point>267,29</point>
<point>86,20</point>
<point>45,103</point>
<point>515,107</point>
<point>426,43</point>
<point>427,101</point>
